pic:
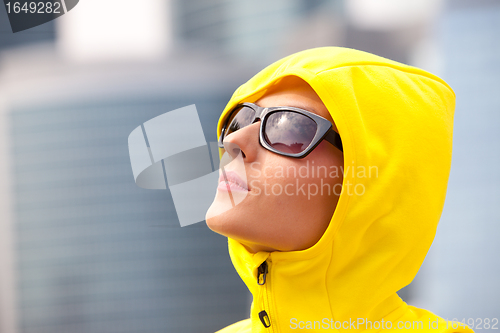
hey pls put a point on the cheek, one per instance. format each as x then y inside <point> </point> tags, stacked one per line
<point>295,198</point>
<point>289,206</point>
<point>297,185</point>
<point>316,191</point>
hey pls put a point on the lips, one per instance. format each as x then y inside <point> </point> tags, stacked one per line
<point>229,180</point>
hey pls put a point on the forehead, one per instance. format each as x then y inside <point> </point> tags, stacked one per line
<point>293,91</point>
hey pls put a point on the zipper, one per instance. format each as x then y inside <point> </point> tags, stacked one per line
<point>262,272</point>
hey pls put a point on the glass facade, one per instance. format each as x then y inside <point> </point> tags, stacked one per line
<point>96,253</point>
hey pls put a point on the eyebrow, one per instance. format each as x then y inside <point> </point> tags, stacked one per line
<point>307,108</point>
<point>298,105</point>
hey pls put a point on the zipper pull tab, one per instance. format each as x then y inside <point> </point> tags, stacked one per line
<point>262,270</point>
<point>264,318</point>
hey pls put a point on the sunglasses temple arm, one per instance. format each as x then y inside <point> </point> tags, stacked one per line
<point>219,142</point>
<point>334,138</point>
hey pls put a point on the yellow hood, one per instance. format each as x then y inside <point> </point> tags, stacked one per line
<point>398,119</point>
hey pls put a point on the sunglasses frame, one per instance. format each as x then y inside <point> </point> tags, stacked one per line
<point>324,129</point>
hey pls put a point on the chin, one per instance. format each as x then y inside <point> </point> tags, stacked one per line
<point>232,223</point>
<point>226,210</point>
<point>214,223</point>
<point>221,216</point>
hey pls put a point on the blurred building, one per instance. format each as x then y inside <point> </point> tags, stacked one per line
<point>93,252</point>
<point>459,277</point>
<point>259,31</point>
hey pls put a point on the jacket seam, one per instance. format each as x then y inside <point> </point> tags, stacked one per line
<point>409,70</point>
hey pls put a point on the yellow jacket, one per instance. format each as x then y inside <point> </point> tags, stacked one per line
<point>396,124</point>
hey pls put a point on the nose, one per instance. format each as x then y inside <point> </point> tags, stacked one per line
<point>232,149</point>
<point>244,141</point>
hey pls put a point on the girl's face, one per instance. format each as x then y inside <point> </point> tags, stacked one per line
<point>290,201</point>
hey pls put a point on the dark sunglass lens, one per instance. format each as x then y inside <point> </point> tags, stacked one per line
<point>241,117</point>
<point>289,132</point>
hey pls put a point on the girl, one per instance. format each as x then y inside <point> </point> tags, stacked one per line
<point>340,162</point>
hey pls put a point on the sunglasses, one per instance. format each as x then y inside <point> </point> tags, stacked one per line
<point>284,130</point>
